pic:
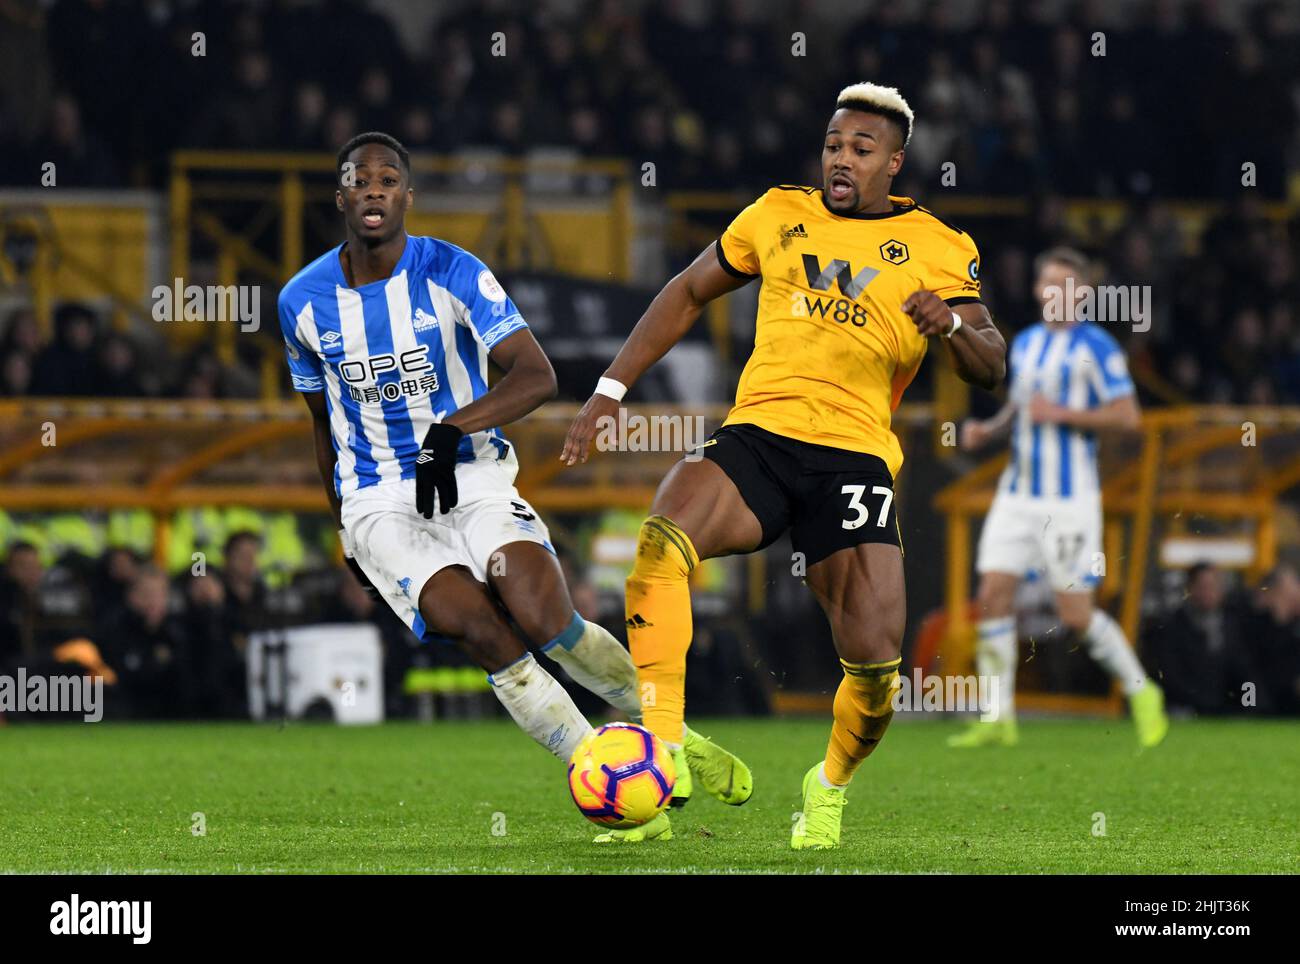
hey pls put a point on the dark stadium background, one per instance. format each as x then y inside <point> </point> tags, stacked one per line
<point>1135,156</point>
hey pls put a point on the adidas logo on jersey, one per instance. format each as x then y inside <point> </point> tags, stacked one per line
<point>423,320</point>
<point>795,232</point>
<point>637,621</point>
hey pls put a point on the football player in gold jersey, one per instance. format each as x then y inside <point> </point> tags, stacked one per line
<point>854,283</point>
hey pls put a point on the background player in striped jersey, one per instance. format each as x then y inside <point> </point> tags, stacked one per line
<point>1068,381</point>
<point>388,337</point>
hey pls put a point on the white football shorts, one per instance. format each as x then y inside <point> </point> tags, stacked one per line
<point>1058,537</point>
<point>399,549</point>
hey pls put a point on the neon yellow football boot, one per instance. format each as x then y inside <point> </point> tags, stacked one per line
<point>1148,708</point>
<point>1001,732</point>
<point>818,827</point>
<point>720,772</point>
<point>660,828</point>
<point>682,788</point>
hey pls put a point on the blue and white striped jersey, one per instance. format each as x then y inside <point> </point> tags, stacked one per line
<point>396,355</point>
<point>1081,367</point>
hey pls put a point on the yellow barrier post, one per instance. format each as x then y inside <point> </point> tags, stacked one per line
<point>180,199</point>
<point>291,207</point>
<point>1139,550</point>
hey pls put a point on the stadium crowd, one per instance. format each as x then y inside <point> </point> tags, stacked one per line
<point>1032,104</point>
<point>170,647</point>
<point>1030,110</point>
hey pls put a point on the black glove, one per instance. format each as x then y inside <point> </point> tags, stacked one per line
<point>435,469</point>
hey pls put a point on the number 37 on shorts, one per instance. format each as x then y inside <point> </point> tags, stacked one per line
<point>858,510</point>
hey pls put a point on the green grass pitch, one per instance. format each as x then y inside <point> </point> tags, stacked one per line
<point>1217,797</point>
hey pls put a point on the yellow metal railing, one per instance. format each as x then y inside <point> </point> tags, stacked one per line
<point>161,456</point>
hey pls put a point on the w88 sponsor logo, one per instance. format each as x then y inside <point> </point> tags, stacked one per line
<point>840,310</point>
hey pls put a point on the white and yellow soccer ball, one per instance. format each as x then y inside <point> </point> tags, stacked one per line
<point>621,775</point>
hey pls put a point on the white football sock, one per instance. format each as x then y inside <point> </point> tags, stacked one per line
<point>598,662</point>
<point>541,707</point>
<point>995,660</point>
<point>821,777</point>
<point>1109,647</point>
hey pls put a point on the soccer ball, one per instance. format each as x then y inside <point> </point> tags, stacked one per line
<point>621,775</point>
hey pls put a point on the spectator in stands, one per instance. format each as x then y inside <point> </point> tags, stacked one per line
<point>214,680</point>
<point>116,374</point>
<point>67,367</point>
<point>114,574</point>
<point>22,334</point>
<point>145,644</point>
<point>1275,640</point>
<point>245,590</point>
<point>1199,650</point>
<point>80,159</point>
<point>15,375</point>
<point>20,603</point>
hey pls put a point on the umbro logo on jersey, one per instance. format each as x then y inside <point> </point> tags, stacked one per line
<point>424,456</point>
<point>637,621</point>
<point>795,232</point>
<point>329,338</point>
<point>423,320</point>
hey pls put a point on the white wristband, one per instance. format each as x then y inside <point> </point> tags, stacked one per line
<point>611,388</point>
<point>956,326</point>
<point>346,540</point>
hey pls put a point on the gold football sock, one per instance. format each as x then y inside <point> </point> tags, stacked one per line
<point>863,709</point>
<point>659,624</point>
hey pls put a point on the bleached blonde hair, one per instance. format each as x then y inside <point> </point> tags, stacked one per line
<point>876,99</point>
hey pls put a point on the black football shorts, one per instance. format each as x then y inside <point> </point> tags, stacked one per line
<point>830,499</point>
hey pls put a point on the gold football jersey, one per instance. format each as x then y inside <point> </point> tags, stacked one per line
<point>833,350</point>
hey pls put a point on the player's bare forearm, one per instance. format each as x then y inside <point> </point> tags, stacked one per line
<point>1120,415</point>
<point>325,454</point>
<point>999,426</point>
<point>670,316</point>
<point>978,350</point>
<point>528,383</point>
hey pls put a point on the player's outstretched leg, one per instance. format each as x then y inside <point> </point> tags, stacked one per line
<point>659,625</point>
<point>861,592</point>
<point>530,583</point>
<point>995,660</point>
<point>1108,645</point>
<point>533,697</point>
<point>698,513</point>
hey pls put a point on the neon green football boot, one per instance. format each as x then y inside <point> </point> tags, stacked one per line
<point>1001,732</point>
<point>818,827</point>
<point>720,772</point>
<point>660,828</point>
<point>682,788</point>
<point>1148,708</point>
